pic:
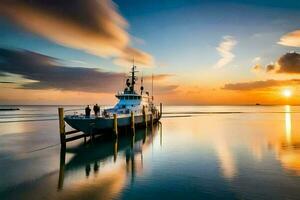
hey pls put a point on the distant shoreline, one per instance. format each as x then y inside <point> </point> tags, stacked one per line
<point>75,105</point>
<point>9,109</point>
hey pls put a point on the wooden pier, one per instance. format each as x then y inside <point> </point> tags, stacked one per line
<point>65,136</point>
<point>68,136</point>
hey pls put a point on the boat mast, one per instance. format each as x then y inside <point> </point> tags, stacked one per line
<point>133,78</point>
<point>142,84</point>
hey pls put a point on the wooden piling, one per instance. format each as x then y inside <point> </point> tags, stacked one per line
<point>132,141</point>
<point>61,169</point>
<point>115,124</point>
<point>62,130</point>
<point>151,119</point>
<point>132,125</point>
<point>115,149</point>
<point>91,131</point>
<point>145,116</point>
<point>160,110</point>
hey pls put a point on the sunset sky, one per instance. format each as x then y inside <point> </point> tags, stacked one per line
<point>201,52</point>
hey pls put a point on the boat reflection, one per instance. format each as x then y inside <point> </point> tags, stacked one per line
<point>105,164</point>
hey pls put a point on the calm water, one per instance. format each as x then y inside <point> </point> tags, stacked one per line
<point>203,152</point>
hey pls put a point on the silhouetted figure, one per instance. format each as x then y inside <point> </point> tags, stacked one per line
<point>96,167</point>
<point>87,170</point>
<point>105,114</point>
<point>87,111</point>
<point>96,109</point>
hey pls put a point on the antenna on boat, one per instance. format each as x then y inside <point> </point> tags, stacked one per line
<point>133,61</point>
<point>133,77</point>
<point>152,87</point>
<point>142,83</point>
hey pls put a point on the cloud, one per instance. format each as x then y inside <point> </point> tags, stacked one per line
<point>289,63</point>
<point>256,60</point>
<point>48,73</point>
<point>291,39</point>
<point>257,68</point>
<point>7,82</point>
<point>158,77</point>
<point>271,68</point>
<point>224,49</point>
<point>254,85</point>
<point>164,89</point>
<point>89,25</point>
<point>127,56</point>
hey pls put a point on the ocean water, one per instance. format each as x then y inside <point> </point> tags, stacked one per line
<point>196,152</point>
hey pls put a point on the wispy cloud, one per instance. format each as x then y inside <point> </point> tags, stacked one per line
<point>291,39</point>
<point>92,26</point>
<point>225,51</point>
<point>257,68</point>
<point>48,73</point>
<point>256,60</point>
<point>255,85</point>
<point>158,77</point>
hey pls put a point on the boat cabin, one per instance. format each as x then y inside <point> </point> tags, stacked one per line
<point>130,100</point>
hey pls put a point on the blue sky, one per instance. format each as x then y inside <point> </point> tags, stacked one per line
<point>192,29</point>
<point>182,37</point>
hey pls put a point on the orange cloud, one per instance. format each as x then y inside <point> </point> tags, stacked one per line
<point>254,85</point>
<point>92,26</point>
<point>157,77</point>
<point>291,39</point>
<point>129,54</point>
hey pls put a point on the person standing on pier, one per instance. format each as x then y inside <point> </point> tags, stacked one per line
<point>96,109</point>
<point>87,111</point>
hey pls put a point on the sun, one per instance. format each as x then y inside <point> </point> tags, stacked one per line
<point>287,93</point>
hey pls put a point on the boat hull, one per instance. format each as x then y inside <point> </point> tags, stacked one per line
<point>95,124</point>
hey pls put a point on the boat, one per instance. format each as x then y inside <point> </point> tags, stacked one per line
<point>132,107</point>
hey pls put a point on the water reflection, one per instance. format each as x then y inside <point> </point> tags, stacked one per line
<point>209,156</point>
<point>288,124</point>
<point>106,164</point>
<point>287,146</point>
<point>226,159</point>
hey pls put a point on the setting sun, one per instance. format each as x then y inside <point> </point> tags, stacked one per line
<point>287,93</point>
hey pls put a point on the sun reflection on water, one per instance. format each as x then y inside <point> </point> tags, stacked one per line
<point>287,146</point>
<point>288,124</point>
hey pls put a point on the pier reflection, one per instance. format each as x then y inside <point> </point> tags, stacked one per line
<point>104,165</point>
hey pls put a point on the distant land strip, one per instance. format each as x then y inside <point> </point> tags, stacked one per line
<point>9,109</point>
<point>29,120</point>
<point>220,112</point>
<point>174,116</point>
<point>191,113</point>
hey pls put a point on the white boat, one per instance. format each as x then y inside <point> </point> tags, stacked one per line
<point>140,105</point>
